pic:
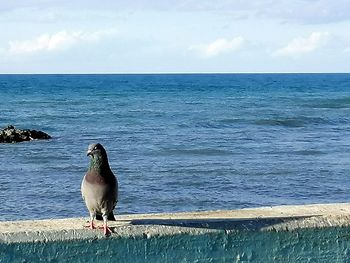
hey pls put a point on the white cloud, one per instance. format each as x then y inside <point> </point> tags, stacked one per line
<point>218,47</point>
<point>301,45</point>
<point>58,41</point>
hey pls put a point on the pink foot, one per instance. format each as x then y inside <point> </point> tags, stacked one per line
<point>91,225</point>
<point>106,230</point>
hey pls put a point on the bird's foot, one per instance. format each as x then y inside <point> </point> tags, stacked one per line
<point>91,225</point>
<point>106,230</point>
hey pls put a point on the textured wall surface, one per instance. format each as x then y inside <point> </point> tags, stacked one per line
<point>219,236</point>
<point>306,245</point>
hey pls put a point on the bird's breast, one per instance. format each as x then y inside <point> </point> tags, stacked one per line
<point>95,179</point>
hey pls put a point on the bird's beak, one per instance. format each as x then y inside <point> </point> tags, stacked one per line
<point>88,153</point>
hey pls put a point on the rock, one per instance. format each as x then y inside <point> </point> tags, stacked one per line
<point>12,135</point>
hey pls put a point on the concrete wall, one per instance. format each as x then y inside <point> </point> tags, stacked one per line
<point>318,233</point>
<point>310,245</point>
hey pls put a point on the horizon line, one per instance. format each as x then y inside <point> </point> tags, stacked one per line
<point>171,73</point>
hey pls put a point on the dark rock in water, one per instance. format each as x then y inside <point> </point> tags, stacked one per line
<point>13,135</point>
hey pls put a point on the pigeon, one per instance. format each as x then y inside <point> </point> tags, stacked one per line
<point>99,188</point>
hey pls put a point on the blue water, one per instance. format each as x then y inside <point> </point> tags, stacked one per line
<point>177,142</point>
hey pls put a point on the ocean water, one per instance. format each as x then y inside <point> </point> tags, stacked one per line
<point>177,142</point>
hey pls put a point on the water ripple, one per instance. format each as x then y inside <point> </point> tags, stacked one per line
<point>177,142</point>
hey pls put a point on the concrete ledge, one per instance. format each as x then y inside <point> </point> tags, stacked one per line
<point>240,235</point>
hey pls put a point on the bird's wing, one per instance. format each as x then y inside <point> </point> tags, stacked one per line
<point>82,189</point>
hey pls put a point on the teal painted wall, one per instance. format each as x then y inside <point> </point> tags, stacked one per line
<point>303,245</point>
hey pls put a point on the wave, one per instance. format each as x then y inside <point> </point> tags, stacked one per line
<point>309,152</point>
<point>296,122</point>
<point>218,124</point>
<point>199,152</point>
<point>292,122</point>
<point>296,152</point>
<point>339,103</point>
<point>229,121</point>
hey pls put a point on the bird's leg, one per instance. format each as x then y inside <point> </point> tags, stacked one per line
<point>91,225</point>
<point>106,229</point>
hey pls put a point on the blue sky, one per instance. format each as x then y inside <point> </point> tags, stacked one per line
<point>105,36</point>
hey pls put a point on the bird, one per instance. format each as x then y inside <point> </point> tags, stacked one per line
<point>99,188</point>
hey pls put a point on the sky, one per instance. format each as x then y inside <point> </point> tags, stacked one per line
<point>183,36</point>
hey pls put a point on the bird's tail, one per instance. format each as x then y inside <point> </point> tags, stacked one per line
<point>110,217</point>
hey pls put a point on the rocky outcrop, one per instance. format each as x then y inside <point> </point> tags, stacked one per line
<point>12,135</point>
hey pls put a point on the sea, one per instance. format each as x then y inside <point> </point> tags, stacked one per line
<point>176,142</point>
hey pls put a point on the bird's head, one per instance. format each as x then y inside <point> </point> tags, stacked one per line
<point>96,150</point>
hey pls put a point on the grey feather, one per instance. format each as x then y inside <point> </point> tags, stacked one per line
<point>99,187</point>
